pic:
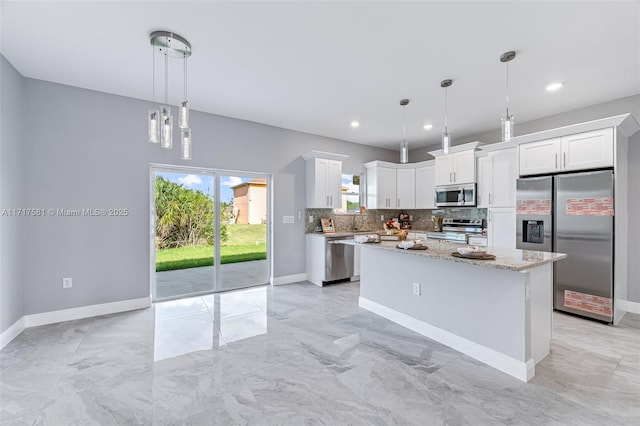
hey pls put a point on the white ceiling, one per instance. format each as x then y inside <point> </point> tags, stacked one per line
<point>316,66</point>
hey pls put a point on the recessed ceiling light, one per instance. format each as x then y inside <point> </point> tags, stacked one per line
<point>355,124</point>
<point>428,126</point>
<point>554,86</point>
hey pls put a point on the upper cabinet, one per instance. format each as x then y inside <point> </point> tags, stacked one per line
<point>454,168</point>
<point>381,187</point>
<point>390,186</point>
<point>426,186</point>
<point>580,151</point>
<point>497,175</point>
<point>324,180</point>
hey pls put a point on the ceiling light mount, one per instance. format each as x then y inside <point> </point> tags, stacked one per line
<point>170,44</point>
<point>508,56</point>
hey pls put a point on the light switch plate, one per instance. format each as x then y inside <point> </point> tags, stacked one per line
<point>310,219</point>
<point>288,219</point>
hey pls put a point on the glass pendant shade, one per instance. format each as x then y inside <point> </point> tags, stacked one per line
<point>166,140</point>
<point>446,142</point>
<point>507,127</point>
<point>184,115</point>
<point>185,139</point>
<point>154,125</point>
<point>404,152</point>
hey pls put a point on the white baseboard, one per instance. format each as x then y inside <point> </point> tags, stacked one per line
<point>86,311</point>
<point>52,317</point>
<point>628,306</point>
<point>288,279</point>
<point>520,370</point>
<point>12,332</point>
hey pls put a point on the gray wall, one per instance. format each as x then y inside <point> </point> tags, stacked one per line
<point>11,195</point>
<point>629,104</point>
<point>87,149</point>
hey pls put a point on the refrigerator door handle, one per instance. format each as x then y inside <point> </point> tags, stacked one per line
<point>564,159</point>
<point>556,160</point>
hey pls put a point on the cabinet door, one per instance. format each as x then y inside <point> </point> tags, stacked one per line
<point>588,150</point>
<point>539,157</point>
<point>320,197</point>
<point>465,167</point>
<point>485,181</point>
<point>444,169</point>
<point>386,186</point>
<point>406,188</point>
<point>501,227</point>
<point>334,183</point>
<point>504,174</point>
<point>426,187</point>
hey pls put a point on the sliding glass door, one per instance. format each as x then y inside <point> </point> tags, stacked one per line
<point>210,231</point>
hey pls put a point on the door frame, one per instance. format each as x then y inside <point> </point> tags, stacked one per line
<point>216,173</point>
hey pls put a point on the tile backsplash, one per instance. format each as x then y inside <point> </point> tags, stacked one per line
<point>371,219</point>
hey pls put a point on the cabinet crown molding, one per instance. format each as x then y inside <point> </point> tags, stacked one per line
<point>326,155</point>
<point>380,163</point>
<point>458,148</point>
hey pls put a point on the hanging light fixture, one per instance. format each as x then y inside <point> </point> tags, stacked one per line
<point>160,121</point>
<point>404,145</point>
<point>446,137</point>
<point>507,119</point>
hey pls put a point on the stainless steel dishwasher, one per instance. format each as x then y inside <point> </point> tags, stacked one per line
<point>338,259</point>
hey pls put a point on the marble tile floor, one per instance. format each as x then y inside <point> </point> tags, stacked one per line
<point>170,284</point>
<point>303,355</point>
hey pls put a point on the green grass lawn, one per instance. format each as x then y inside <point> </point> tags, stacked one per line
<point>240,247</point>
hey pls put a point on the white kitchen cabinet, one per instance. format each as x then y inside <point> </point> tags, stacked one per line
<point>457,167</point>
<point>588,150</point>
<point>381,187</point>
<point>497,175</point>
<point>324,183</point>
<point>501,227</point>
<point>426,187</point>
<point>580,151</point>
<point>390,186</point>
<point>406,188</point>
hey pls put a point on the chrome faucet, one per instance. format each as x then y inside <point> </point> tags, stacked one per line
<point>360,212</point>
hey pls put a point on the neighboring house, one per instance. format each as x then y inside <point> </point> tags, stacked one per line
<point>250,202</point>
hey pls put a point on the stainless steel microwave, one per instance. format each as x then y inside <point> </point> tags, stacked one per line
<point>456,195</point>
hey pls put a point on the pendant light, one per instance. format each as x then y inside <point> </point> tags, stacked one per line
<point>446,137</point>
<point>507,119</point>
<point>404,145</point>
<point>160,121</point>
<point>153,119</point>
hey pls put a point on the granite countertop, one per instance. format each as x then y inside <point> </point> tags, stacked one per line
<point>350,233</point>
<point>509,259</point>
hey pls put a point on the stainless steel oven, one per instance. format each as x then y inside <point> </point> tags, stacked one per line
<point>456,195</point>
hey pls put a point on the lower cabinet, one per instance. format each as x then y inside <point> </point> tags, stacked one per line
<point>501,227</point>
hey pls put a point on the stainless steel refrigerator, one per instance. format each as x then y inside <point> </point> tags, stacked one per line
<point>572,214</point>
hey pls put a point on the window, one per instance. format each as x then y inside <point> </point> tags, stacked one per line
<point>351,193</point>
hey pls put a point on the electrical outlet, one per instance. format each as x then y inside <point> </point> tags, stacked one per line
<point>382,217</point>
<point>411,217</point>
<point>67,283</point>
<point>416,289</point>
<point>310,219</point>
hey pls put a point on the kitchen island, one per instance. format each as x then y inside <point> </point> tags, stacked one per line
<point>496,311</point>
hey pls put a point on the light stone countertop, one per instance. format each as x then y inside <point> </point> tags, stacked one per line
<point>509,259</point>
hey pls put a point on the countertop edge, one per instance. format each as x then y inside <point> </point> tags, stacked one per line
<point>503,259</point>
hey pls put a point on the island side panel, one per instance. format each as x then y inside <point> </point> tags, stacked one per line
<point>541,301</point>
<point>484,305</point>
